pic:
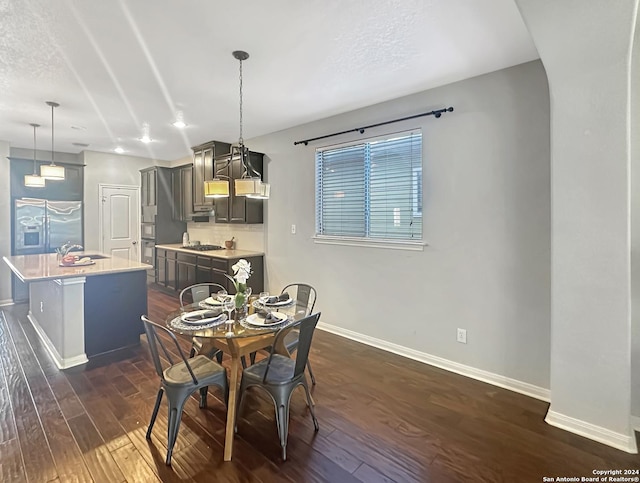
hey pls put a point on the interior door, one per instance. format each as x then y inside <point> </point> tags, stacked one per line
<point>120,221</point>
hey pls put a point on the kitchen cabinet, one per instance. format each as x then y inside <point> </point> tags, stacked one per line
<point>182,192</point>
<point>148,189</point>
<point>238,209</point>
<point>68,189</point>
<point>203,170</point>
<point>177,270</point>
<point>185,270</point>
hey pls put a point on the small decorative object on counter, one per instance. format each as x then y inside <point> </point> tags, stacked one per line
<point>229,243</point>
<point>242,272</point>
<point>185,239</point>
<point>64,250</point>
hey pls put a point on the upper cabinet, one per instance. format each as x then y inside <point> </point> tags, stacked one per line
<point>238,209</point>
<point>182,189</point>
<point>203,156</point>
<point>148,189</point>
<point>68,189</point>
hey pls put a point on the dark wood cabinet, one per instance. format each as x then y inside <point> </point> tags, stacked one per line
<point>71,188</point>
<point>177,270</point>
<point>182,192</point>
<point>186,270</point>
<point>203,170</point>
<point>148,189</point>
<point>238,209</point>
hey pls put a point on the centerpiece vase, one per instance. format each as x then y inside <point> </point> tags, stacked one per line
<point>241,298</point>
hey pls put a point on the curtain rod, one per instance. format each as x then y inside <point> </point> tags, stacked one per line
<point>437,113</point>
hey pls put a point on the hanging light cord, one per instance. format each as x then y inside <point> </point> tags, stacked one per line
<point>241,140</point>
<point>34,148</point>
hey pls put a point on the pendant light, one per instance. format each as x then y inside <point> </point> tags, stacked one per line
<point>250,184</point>
<point>51,171</point>
<point>33,180</point>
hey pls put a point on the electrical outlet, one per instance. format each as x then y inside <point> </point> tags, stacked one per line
<point>293,229</point>
<point>462,336</point>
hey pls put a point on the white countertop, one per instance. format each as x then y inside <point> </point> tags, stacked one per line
<point>34,268</point>
<point>224,254</point>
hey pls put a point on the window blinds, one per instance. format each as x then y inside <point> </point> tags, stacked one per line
<point>372,189</point>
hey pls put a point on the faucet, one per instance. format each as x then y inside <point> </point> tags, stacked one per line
<point>67,247</point>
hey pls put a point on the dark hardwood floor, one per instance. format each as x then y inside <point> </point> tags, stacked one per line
<point>382,418</point>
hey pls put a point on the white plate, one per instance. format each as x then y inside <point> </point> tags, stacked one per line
<point>212,301</point>
<point>279,304</point>
<point>254,319</point>
<point>199,317</point>
<point>90,262</point>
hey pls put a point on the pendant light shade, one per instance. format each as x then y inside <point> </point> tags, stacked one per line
<point>247,186</point>
<point>33,180</point>
<point>51,171</point>
<point>264,190</point>
<point>216,188</point>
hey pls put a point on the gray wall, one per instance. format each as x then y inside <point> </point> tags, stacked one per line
<point>585,48</point>
<point>486,218</point>
<point>107,168</point>
<point>5,223</point>
<point>635,229</point>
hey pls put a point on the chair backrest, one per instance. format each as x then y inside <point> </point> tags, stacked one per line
<point>199,292</point>
<point>306,328</point>
<point>152,329</point>
<point>304,295</point>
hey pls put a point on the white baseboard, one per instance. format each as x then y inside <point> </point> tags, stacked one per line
<point>6,302</point>
<point>61,362</point>
<point>472,372</point>
<point>597,433</point>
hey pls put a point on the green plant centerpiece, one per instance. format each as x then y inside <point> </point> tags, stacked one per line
<point>242,272</point>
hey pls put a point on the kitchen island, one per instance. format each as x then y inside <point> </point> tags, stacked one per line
<point>82,311</point>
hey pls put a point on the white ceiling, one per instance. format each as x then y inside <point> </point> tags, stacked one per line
<point>115,64</point>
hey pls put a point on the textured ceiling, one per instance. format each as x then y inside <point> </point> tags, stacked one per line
<point>114,65</point>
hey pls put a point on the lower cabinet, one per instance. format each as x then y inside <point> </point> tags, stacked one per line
<point>178,270</point>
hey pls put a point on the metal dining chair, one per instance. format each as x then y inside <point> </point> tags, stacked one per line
<point>305,297</point>
<point>198,293</point>
<point>279,375</point>
<point>180,379</point>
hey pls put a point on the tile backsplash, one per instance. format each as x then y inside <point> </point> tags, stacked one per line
<point>247,237</point>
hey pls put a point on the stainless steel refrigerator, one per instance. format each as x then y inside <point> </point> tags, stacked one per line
<point>41,226</point>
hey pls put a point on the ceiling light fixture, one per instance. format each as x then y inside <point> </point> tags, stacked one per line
<point>179,122</point>
<point>51,171</point>
<point>145,134</point>
<point>33,180</point>
<point>250,184</point>
<point>119,150</point>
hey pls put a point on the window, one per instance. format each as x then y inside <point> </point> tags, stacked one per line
<point>371,190</point>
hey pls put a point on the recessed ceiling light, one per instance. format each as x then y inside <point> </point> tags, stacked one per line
<point>79,128</point>
<point>81,145</point>
<point>179,122</point>
<point>119,150</point>
<point>146,138</point>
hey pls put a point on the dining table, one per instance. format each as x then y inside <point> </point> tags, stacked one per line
<point>238,338</point>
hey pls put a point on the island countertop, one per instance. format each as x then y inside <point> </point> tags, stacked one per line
<point>46,266</point>
<point>224,254</point>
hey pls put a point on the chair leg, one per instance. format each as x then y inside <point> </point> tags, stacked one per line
<point>310,404</point>
<point>244,362</point>
<point>175,415</point>
<point>252,358</point>
<point>282,421</point>
<point>219,357</point>
<point>192,352</point>
<point>203,397</point>
<point>155,412</point>
<point>313,379</point>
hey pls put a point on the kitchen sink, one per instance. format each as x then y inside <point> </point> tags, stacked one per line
<point>95,256</point>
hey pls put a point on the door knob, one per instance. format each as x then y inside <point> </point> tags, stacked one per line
<point>134,242</point>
